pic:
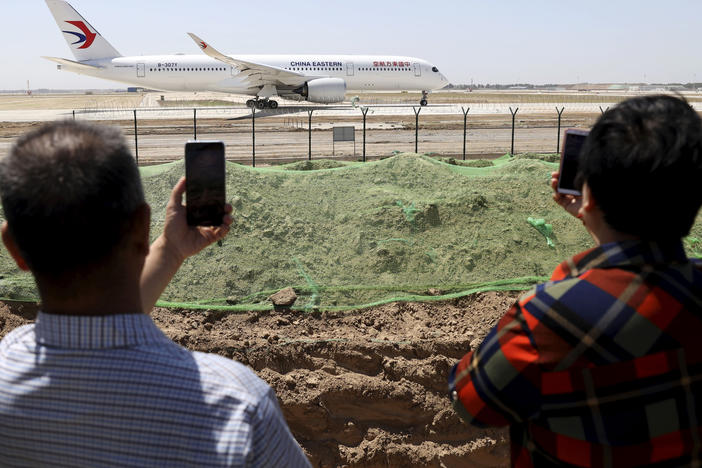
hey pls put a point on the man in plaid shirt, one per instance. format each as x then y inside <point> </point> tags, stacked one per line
<point>602,365</point>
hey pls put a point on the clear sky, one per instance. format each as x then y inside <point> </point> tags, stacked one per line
<point>498,41</point>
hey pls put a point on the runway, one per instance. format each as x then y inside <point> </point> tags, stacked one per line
<point>239,112</point>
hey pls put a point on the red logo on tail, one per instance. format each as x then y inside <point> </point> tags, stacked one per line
<point>88,38</point>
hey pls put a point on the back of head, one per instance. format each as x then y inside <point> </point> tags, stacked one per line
<point>643,164</point>
<point>69,192</point>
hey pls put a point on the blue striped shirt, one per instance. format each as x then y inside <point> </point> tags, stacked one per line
<point>115,391</point>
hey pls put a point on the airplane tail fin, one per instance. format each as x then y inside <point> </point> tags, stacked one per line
<point>85,42</point>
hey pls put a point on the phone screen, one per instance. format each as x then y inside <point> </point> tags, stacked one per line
<point>204,183</point>
<point>572,145</point>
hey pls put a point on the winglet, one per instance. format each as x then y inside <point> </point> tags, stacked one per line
<point>279,74</point>
<point>207,48</point>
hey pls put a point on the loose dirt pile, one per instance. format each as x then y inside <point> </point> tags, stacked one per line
<point>363,233</point>
<point>366,233</point>
<point>365,388</point>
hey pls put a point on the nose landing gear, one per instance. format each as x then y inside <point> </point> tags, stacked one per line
<point>423,102</point>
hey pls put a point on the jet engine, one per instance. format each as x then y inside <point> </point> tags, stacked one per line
<point>323,90</point>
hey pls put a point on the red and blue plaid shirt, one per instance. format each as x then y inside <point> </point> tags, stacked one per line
<point>601,366</point>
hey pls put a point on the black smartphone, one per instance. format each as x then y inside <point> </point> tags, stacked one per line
<point>204,183</point>
<point>573,140</point>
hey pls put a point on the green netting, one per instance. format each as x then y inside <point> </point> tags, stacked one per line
<point>355,234</point>
<point>546,230</point>
<point>694,246</point>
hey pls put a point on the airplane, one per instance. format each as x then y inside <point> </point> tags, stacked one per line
<point>314,78</point>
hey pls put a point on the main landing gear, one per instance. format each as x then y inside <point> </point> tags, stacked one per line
<point>262,104</point>
<point>423,102</point>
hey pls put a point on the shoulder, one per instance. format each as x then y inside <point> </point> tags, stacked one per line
<point>593,291</point>
<point>22,334</point>
<point>228,374</point>
<point>271,440</point>
<point>544,295</point>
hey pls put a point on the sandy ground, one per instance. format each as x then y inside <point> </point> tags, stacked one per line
<point>364,388</point>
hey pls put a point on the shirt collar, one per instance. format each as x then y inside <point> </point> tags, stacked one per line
<point>96,332</point>
<point>632,254</point>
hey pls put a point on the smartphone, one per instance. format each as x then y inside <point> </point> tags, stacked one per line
<point>204,183</point>
<point>573,140</point>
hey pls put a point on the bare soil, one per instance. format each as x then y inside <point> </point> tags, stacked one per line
<point>364,388</point>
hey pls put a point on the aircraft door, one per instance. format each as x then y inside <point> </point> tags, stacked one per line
<point>349,69</point>
<point>141,70</point>
<point>417,69</point>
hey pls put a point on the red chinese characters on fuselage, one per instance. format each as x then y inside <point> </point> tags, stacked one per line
<point>391,64</point>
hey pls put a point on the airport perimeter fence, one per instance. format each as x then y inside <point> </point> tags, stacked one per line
<point>291,134</point>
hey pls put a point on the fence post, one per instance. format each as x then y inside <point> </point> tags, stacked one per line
<point>364,111</point>
<point>136,139</point>
<point>416,127</point>
<point>195,124</point>
<point>309,133</point>
<point>558,141</point>
<point>253,136</point>
<point>74,115</point>
<point>514,114</point>
<point>465,128</point>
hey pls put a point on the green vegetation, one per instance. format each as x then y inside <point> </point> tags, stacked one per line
<point>363,233</point>
<point>313,165</point>
<point>694,246</point>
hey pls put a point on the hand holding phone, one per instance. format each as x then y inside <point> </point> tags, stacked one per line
<point>570,203</point>
<point>573,141</point>
<point>204,183</point>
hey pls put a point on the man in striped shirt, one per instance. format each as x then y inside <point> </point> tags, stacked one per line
<point>94,382</point>
<point>602,366</point>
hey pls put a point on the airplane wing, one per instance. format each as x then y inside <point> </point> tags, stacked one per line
<point>72,64</point>
<point>256,74</point>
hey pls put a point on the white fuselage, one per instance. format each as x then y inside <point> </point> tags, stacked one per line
<point>202,73</point>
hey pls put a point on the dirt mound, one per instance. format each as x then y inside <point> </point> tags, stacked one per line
<point>366,233</point>
<point>359,389</point>
<point>316,165</point>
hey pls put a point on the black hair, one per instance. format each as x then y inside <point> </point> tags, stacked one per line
<point>69,192</point>
<point>643,164</point>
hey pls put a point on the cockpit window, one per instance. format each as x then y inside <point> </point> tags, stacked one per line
<point>435,70</point>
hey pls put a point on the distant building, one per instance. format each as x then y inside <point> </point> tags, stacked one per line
<point>627,87</point>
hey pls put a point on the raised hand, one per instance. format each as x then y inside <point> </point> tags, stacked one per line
<point>185,240</point>
<point>570,203</point>
<point>177,242</point>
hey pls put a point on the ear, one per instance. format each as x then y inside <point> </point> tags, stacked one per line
<point>140,226</point>
<point>589,204</point>
<point>11,246</point>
